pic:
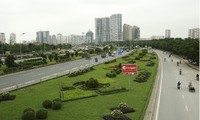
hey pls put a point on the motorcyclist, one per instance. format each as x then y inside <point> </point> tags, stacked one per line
<point>197,76</point>
<point>178,84</point>
<point>180,71</point>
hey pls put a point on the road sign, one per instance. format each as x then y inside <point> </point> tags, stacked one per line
<point>129,69</point>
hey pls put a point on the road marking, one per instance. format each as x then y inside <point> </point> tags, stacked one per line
<point>38,75</point>
<point>29,82</point>
<point>183,96</point>
<point>186,108</point>
<point>159,93</point>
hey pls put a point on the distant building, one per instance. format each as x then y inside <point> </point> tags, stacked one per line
<point>42,37</point>
<point>12,38</point>
<point>98,30</point>
<point>116,27</point>
<point>53,40</point>
<point>89,37</point>
<point>157,37</point>
<point>135,32</point>
<point>127,32</point>
<point>193,33</point>
<point>2,38</point>
<point>167,33</point>
<point>59,39</point>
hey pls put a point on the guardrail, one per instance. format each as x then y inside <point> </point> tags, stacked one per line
<point>36,81</point>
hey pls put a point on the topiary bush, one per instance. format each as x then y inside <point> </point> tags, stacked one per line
<point>41,113</point>
<point>29,109</point>
<point>111,74</point>
<point>47,104</point>
<point>56,105</point>
<point>28,114</point>
<point>92,83</point>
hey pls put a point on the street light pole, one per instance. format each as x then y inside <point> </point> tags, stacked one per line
<point>20,45</point>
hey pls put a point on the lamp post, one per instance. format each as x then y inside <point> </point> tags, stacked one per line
<point>20,45</point>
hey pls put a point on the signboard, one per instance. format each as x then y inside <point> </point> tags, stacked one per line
<point>129,69</point>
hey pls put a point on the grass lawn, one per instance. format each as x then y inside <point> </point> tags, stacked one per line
<point>84,109</point>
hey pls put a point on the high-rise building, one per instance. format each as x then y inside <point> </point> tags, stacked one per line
<point>167,33</point>
<point>53,40</point>
<point>98,30</point>
<point>116,27</point>
<point>135,32</point>
<point>89,37</point>
<point>42,37</point>
<point>59,39</point>
<point>127,32</point>
<point>105,29</point>
<point>102,29</point>
<point>12,38</point>
<point>193,33</point>
<point>2,38</point>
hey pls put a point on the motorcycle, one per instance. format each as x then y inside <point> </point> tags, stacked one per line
<point>179,87</point>
<point>180,72</point>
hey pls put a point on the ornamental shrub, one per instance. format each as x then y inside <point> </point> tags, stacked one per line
<point>47,104</point>
<point>29,109</point>
<point>56,104</point>
<point>28,114</point>
<point>92,83</point>
<point>41,113</point>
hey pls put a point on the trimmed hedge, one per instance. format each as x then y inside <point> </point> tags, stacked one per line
<point>56,104</point>
<point>28,114</point>
<point>47,104</point>
<point>41,113</point>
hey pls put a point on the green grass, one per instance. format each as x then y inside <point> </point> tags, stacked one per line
<point>84,109</point>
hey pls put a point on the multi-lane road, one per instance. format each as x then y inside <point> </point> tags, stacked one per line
<point>11,81</point>
<point>174,104</point>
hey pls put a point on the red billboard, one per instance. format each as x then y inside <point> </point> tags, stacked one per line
<point>129,69</point>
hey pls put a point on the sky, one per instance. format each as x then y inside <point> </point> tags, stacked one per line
<point>78,16</point>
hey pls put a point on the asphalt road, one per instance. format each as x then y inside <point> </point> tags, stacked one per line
<point>34,75</point>
<point>174,104</point>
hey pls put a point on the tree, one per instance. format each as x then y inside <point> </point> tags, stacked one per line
<point>50,57</point>
<point>10,61</point>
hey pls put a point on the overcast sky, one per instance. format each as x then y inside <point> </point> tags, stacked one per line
<point>77,16</point>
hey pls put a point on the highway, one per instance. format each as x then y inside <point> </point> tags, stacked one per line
<point>174,104</point>
<point>35,75</point>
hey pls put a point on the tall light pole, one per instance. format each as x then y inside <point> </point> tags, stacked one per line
<point>20,45</point>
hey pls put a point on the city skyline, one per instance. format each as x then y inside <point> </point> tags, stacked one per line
<point>75,17</point>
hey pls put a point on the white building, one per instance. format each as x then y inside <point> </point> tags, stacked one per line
<point>127,32</point>
<point>116,27</point>
<point>167,33</point>
<point>193,33</point>
<point>2,38</point>
<point>12,39</point>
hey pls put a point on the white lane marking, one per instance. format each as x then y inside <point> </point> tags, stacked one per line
<point>186,108</point>
<point>29,82</point>
<point>159,94</point>
<point>38,74</point>
<point>183,96</point>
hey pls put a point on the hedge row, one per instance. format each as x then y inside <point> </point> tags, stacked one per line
<point>80,72</point>
<point>6,96</point>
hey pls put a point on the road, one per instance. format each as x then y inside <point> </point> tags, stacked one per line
<point>35,75</point>
<point>174,104</point>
